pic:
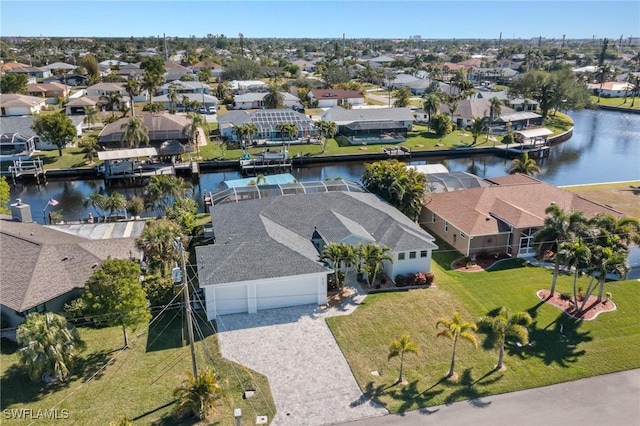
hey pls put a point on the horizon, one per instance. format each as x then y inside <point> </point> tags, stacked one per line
<point>382,20</point>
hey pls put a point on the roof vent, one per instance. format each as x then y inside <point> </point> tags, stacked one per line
<point>94,266</point>
<point>65,258</point>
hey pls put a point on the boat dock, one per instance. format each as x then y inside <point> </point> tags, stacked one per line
<point>265,162</point>
<point>28,170</point>
<point>398,151</point>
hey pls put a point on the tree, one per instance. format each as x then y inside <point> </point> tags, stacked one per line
<point>132,87</point>
<point>135,206</point>
<point>574,255</point>
<point>47,345</point>
<point>172,95</point>
<point>90,116</point>
<point>204,75</point>
<point>327,129</point>
<point>507,324</point>
<point>332,253</point>
<point>135,133</point>
<point>163,189</point>
<point>183,213</point>
<point>113,295</point>
<point>55,128</point>
<point>441,124</point>
<point>115,203</point>
<point>603,69</point>
<point>5,195</point>
<point>605,260</point>
<point>495,109</point>
<point>157,242</point>
<point>401,187</point>
<point>373,255</point>
<point>453,329</point>
<point>99,203</point>
<point>478,127</point>
<point>153,64</point>
<point>289,130</point>
<point>14,83</point>
<point>150,82</point>
<point>558,228</point>
<point>274,99</point>
<point>431,106</point>
<point>197,123</point>
<point>89,148</point>
<point>524,165</point>
<point>403,96</point>
<point>197,396</point>
<point>90,64</point>
<point>399,348</point>
<point>113,101</point>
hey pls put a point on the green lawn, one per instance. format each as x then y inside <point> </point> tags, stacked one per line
<point>607,344</point>
<point>616,102</point>
<point>138,383</point>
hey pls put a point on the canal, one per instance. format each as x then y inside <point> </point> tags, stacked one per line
<point>605,147</point>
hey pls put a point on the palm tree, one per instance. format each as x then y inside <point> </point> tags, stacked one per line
<point>99,202</point>
<point>478,127</point>
<point>241,132</point>
<point>373,256</point>
<point>400,347</point>
<point>150,82</point>
<point>495,109</point>
<point>132,87</point>
<point>197,396</point>
<point>90,116</point>
<point>327,130</point>
<point>558,227</point>
<point>575,255</point>
<point>113,101</point>
<point>289,130</point>
<point>135,133</point>
<point>157,240</point>
<point>172,95</point>
<point>47,345</point>
<point>250,129</point>
<point>431,105</point>
<point>602,74</point>
<point>454,328</point>
<point>453,107</point>
<point>524,165</point>
<point>116,203</point>
<point>507,324</point>
<point>332,253</point>
<point>197,123</point>
<point>274,99</point>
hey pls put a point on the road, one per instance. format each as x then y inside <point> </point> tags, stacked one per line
<point>611,399</point>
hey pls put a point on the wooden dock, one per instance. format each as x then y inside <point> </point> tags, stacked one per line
<point>517,150</point>
<point>398,151</point>
<point>28,170</point>
<point>254,167</point>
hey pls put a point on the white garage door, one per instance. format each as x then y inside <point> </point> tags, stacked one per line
<point>231,300</point>
<point>283,293</point>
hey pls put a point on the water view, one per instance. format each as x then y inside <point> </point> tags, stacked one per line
<point>605,147</point>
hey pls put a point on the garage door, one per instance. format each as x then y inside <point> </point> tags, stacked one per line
<point>231,300</point>
<point>284,293</point>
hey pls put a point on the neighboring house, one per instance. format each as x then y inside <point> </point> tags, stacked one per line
<point>243,85</point>
<point>61,66</point>
<point>14,146</point>
<point>267,121</point>
<point>501,218</point>
<point>266,251</point>
<point>305,66</point>
<point>68,79</point>
<point>182,87</point>
<point>493,75</point>
<point>162,127</point>
<point>76,106</point>
<point>14,104</point>
<point>50,91</point>
<point>216,69</point>
<point>45,268</point>
<point>520,120</point>
<point>23,127</point>
<point>515,103</point>
<point>400,80</point>
<point>256,101</point>
<point>8,66</point>
<point>611,89</point>
<point>440,179</point>
<point>375,125</point>
<point>103,89</point>
<point>328,98</point>
<point>206,101</point>
<point>468,109</point>
<point>33,72</point>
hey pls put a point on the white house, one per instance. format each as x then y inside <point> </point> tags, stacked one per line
<point>102,89</point>
<point>612,89</point>
<point>14,104</point>
<point>266,251</point>
<point>328,98</point>
<point>256,101</point>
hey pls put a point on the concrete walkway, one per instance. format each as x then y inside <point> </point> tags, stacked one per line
<point>610,399</point>
<point>309,377</point>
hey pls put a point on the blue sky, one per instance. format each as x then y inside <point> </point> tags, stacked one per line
<point>322,19</point>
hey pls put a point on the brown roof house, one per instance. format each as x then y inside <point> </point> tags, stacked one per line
<point>501,218</point>
<point>327,98</point>
<point>15,104</point>
<point>162,127</point>
<point>44,268</point>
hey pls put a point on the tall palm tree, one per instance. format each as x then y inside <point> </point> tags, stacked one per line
<point>135,133</point>
<point>478,127</point>
<point>241,132</point>
<point>524,165</point>
<point>150,82</point>
<point>603,72</point>
<point>507,324</point>
<point>373,256</point>
<point>399,348</point>
<point>453,105</point>
<point>327,130</point>
<point>575,255</point>
<point>197,396</point>
<point>172,95</point>
<point>113,101</point>
<point>197,123</point>
<point>47,345</point>
<point>495,109</point>
<point>157,242</point>
<point>454,328</point>
<point>431,105</point>
<point>333,253</point>
<point>99,202</point>
<point>251,130</point>
<point>274,99</point>
<point>606,260</point>
<point>558,228</point>
<point>290,130</point>
<point>90,116</point>
<point>132,87</point>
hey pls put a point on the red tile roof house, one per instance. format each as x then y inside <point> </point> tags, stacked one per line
<point>328,98</point>
<point>43,268</point>
<point>501,218</point>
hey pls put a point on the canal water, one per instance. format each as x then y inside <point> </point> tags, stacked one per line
<point>605,147</point>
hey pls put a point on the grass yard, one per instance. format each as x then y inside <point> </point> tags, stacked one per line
<point>616,102</point>
<point>607,344</point>
<point>622,196</point>
<point>138,383</point>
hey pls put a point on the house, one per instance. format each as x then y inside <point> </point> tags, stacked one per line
<point>267,121</point>
<point>68,79</point>
<point>251,85</point>
<point>611,89</point>
<point>328,98</point>
<point>61,66</point>
<point>43,268</point>
<point>184,87</point>
<point>14,146</point>
<point>305,65</point>
<point>8,66</point>
<point>255,100</point>
<point>33,72</point>
<point>103,89</point>
<point>501,218</point>
<point>468,109</point>
<point>266,250</point>
<point>15,104</point>
<point>209,102</point>
<point>493,75</point>
<point>22,126</point>
<point>215,69</point>
<point>161,127</point>
<point>515,103</point>
<point>51,91</point>
<point>375,125</point>
<point>77,105</point>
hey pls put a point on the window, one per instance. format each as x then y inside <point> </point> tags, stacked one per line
<point>423,253</point>
<point>400,256</point>
<point>446,227</point>
<point>412,255</point>
<point>462,235</point>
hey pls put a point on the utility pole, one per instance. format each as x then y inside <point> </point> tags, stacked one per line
<point>185,288</point>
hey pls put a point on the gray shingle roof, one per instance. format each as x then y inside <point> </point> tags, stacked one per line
<point>21,125</point>
<point>271,237</point>
<point>343,116</point>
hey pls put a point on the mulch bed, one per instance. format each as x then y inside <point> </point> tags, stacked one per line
<point>592,308</point>
<point>480,264</point>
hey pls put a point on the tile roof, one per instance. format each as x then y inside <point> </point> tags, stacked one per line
<point>39,263</point>
<point>271,237</point>
<point>517,200</point>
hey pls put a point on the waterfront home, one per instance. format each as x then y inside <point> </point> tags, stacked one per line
<point>254,100</point>
<point>266,250</point>
<point>611,89</point>
<point>328,98</point>
<point>161,127</point>
<point>500,218</point>
<point>375,125</point>
<point>27,138</point>
<point>267,121</point>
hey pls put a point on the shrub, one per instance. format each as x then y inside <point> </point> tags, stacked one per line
<point>401,280</point>
<point>430,278</point>
<point>565,296</point>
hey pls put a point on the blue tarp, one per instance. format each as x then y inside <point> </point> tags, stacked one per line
<point>269,180</point>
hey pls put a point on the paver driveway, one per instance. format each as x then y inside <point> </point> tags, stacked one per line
<point>309,377</point>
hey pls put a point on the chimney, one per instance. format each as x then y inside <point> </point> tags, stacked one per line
<point>21,212</point>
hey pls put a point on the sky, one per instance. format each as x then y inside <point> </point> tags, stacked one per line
<point>322,19</point>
